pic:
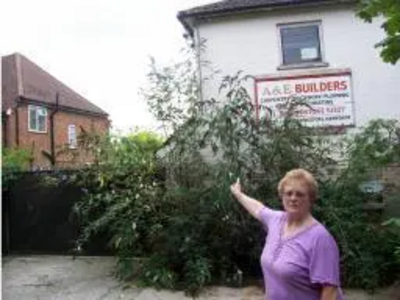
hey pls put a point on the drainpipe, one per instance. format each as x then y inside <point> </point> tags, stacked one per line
<point>16,126</point>
<point>198,45</point>
<point>52,137</point>
<point>4,128</point>
<point>20,92</point>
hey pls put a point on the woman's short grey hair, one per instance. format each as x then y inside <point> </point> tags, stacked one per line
<point>303,176</point>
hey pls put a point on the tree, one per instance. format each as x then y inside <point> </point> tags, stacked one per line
<point>172,91</point>
<point>390,11</point>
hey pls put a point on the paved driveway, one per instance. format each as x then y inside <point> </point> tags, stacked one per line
<point>86,278</point>
<point>91,278</point>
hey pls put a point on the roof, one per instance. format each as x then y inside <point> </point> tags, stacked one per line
<point>236,6</point>
<point>22,78</point>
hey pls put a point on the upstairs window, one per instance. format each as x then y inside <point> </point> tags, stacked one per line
<point>72,141</point>
<point>301,43</point>
<point>37,119</point>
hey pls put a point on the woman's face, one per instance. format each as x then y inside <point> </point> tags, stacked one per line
<point>296,198</point>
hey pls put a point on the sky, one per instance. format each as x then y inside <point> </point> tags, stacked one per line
<point>99,48</point>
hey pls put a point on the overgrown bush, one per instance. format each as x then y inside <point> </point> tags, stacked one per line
<point>394,225</point>
<point>260,153</point>
<point>123,193</point>
<point>13,162</point>
<point>184,222</point>
<point>370,259</point>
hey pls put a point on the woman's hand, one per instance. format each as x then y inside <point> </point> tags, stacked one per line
<point>236,188</point>
<point>329,292</point>
<point>251,205</point>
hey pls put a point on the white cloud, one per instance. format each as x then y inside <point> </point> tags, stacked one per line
<point>100,48</point>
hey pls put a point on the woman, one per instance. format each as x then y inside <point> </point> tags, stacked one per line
<point>300,260</point>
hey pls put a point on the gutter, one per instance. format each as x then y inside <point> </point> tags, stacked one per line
<point>185,16</point>
<point>63,108</point>
<point>183,19</point>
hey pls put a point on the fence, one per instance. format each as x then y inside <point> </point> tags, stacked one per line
<point>38,215</point>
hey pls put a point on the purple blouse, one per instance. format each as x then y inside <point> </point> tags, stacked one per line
<point>298,266</point>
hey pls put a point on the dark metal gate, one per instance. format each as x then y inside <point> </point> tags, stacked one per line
<point>37,215</point>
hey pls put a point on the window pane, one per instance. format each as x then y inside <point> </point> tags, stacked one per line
<point>32,119</point>
<point>41,123</point>
<point>37,118</point>
<point>41,111</point>
<point>72,136</point>
<point>300,44</point>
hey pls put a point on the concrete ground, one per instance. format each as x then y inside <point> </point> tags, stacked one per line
<point>91,278</point>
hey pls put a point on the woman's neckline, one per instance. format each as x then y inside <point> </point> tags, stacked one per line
<point>297,234</point>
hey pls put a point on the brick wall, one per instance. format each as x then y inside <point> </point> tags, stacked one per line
<point>89,123</point>
<point>36,142</point>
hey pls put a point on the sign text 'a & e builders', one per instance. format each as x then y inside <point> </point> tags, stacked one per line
<point>328,98</point>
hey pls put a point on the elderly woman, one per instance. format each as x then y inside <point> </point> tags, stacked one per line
<point>300,260</point>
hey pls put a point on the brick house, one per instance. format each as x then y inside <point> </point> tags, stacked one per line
<point>44,116</point>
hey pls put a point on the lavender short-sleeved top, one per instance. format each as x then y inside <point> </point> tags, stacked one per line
<point>297,267</point>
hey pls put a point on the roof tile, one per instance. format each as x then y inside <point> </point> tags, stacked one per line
<point>23,78</point>
<point>242,5</point>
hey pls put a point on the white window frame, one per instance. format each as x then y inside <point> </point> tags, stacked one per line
<point>35,107</point>
<point>309,64</point>
<point>74,144</point>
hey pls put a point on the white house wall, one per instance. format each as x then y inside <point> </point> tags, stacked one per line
<point>250,43</point>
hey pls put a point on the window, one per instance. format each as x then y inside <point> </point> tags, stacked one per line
<point>72,142</point>
<point>37,118</point>
<point>301,43</point>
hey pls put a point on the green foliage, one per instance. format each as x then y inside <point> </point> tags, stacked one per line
<point>178,215</point>
<point>173,90</point>
<point>378,145</point>
<point>367,247</point>
<point>155,273</point>
<point>14,161</point>
<point>367,259</point>
<point>390,11</point>
<point>394,224</point>
<point>122,192</point>
<point>260,153</point>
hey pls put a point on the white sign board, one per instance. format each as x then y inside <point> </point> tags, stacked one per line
<point>329,97</point>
